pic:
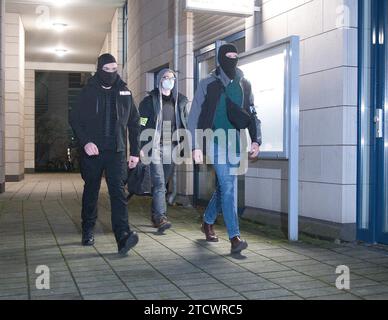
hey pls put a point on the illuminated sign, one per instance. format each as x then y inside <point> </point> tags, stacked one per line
<point>269,69</point>
<point>266,72</point>
<point>244,8</point>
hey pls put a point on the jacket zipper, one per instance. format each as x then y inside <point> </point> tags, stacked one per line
<point>117,110</point>
<point>243,94</point>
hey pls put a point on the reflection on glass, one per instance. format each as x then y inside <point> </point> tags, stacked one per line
<point>365,118</point>
<point>205,67</point>
<point>240,45</point>
<point>206,174</point>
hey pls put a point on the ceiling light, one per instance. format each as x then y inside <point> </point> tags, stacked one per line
<point>59,27</point>
<point>59,3</point>
<point>60,52</point>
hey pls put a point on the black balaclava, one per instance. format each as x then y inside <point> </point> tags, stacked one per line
<point>107,79</point>
<point>227,64</point>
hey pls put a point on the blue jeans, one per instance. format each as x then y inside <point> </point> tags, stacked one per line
<point>225,196</point>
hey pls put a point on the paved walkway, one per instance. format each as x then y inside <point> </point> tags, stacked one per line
<point>39,225</point>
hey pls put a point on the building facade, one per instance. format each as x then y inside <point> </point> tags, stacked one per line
<point>328,100</point>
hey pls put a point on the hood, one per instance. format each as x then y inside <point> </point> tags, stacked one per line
<point>159,81</point>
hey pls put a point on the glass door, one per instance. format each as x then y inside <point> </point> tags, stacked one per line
<point>381,122</point>
<point>372,206</point>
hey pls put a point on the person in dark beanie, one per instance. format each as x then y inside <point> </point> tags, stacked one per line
<point>100,120</point>
<point>224,89</point>
<point>163,110</point>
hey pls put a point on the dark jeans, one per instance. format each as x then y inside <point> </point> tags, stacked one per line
<point>160,175</point>
<point>115,166</point>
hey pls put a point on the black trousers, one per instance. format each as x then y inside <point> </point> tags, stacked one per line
<point>116,171</point>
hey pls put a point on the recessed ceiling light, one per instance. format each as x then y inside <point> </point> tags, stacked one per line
<point>60,52</point>
<point>59,26</point>
<point>59,3</point>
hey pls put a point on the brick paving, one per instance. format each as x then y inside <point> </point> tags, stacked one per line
<point>40,225</point>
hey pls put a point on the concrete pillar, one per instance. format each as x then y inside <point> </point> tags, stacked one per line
<point>14,97</point>
<point>251,31</point>
<point>185,173</point>
<point>2,119</point>
<point>116,39</point>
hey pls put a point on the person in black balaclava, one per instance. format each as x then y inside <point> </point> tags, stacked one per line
<point>100,120</point>
<point>228,65</point>
<point>106,79</point>
<point>224,87</point>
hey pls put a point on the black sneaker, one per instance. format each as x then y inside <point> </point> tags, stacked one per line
<point>127,243</point>
<point>88,239</point>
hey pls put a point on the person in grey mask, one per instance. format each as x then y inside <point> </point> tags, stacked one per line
<point>163,110</point>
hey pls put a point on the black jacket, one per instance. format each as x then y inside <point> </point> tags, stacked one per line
<point>87,120</point>
<point>150,107</point>
<point>207,96</point>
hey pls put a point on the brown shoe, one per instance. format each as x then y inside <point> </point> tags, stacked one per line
<point>208,230</point>
<point>238,245</point>
<point>163,225</point>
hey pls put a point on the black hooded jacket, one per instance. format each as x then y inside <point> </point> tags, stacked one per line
<point>87,118</point>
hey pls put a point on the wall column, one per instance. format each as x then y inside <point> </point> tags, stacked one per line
<point>185,172</point>
<point>14,97</point>
<point>2,110</point>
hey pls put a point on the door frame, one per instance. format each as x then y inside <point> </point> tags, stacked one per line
<point>378,93</point>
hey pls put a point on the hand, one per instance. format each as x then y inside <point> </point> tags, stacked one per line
<point>91,149</point>
<point>133,162</point>
<point>198,156</point>
<point>255,151</point>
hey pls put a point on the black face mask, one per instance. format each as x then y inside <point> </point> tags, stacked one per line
<point>107,79</point>
<point>228,65</point>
